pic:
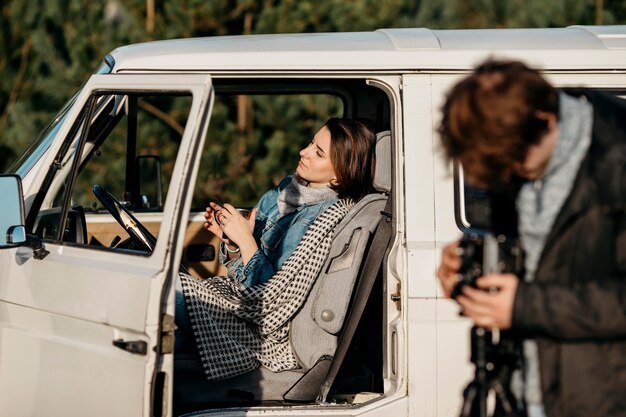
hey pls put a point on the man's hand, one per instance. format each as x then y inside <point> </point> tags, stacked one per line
<point>449,267</point>
<point>491,305</point>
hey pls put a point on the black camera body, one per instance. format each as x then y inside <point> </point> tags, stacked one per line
<point>486,253</point>
<point>495,354</point>
<point>490,245</point>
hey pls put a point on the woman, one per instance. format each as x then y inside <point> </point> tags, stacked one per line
<point>338,163</point>
<point>239,322</point>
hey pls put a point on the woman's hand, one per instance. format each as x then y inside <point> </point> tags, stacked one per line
<point>210,224</point>
<point>233,228</point>
<point>238,228</point>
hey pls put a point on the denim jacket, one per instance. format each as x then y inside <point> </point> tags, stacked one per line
<point>277,237</point>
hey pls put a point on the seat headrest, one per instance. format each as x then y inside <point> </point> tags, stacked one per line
<point>382,175</point>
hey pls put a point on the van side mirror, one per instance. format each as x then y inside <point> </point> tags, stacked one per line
<point>150,184</point>
<point>12,229</point>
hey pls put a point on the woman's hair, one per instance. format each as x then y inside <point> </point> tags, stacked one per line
<point>490,119</point>
<point>352,153</point>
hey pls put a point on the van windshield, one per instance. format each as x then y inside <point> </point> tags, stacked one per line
<point>25,162</point>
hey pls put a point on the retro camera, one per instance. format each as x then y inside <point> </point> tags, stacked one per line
<point>495,354</point>
<point>487,254</point>
<point>489,245</point>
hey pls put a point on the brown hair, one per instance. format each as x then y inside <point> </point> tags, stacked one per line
<point>352,147</point>
<point>490,121</point>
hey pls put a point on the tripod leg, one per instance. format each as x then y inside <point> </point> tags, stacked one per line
<point>505,404</point>
<point>469,396</point>
<point>474,401</point>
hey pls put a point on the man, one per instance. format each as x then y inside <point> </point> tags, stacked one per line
<point>504,121</point>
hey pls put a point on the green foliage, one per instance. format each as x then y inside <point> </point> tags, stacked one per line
<point>334,15</point>
<point>457,14</point>
<point>48,49</point>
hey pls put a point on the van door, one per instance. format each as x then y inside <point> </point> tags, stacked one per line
<point>86,319</point>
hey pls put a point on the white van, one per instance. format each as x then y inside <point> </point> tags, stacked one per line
<point>86,290</point>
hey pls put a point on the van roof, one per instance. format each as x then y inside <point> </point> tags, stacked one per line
<point>573,48</point>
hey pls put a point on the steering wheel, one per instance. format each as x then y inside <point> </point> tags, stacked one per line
<point>125,218</point>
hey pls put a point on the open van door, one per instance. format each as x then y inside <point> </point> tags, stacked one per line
<point>86,308</point>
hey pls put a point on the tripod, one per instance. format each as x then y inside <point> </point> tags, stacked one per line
<point>494,363</point>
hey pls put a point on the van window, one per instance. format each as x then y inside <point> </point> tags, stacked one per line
<point>472,207</point>
<point>128,149</point>
<point>254,141</point>
<point>481,211</point>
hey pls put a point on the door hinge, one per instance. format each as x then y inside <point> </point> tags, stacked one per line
<point>397,297</point>
<point>133,346</point>
<point>167,334</point>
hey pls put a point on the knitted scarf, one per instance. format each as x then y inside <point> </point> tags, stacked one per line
<point>536,219</point>
<point>239,329</point>
<point>298,193</point>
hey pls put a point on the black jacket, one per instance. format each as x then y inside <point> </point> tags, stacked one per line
<point>576,306</point>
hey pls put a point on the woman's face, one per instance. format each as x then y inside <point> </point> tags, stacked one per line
<point>315,165</point>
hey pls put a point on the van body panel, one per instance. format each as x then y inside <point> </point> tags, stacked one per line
<point>419,191</point>
<point>56,344</point>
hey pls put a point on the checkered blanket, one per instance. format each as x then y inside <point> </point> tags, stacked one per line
<point>239,329</point>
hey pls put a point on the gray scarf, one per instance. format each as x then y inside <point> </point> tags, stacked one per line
<point>540,201</point>
<point>538,204</point>
<point>298,193</point>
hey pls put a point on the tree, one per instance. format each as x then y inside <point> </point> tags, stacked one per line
<point>47,52</point>
<point>49,47</point>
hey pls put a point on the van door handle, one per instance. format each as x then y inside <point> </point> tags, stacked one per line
<point>133,346</point>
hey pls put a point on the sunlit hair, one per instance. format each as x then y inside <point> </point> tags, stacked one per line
<point>490,119</point>
<point>352,153</point>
